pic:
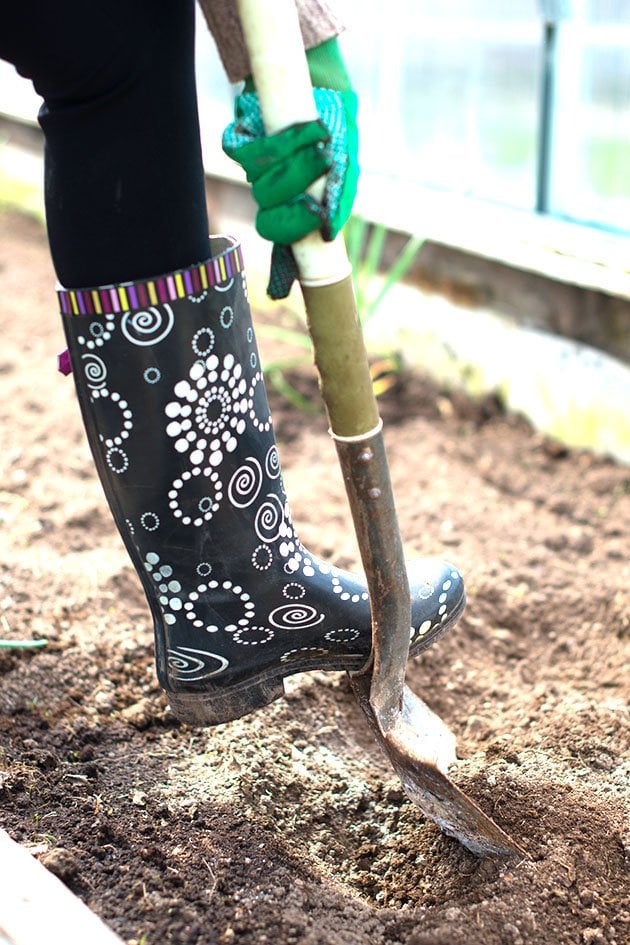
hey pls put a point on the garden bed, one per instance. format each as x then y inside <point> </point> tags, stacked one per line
<point>287,826</point>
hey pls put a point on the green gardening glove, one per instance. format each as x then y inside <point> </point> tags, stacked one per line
<point>281,167</point>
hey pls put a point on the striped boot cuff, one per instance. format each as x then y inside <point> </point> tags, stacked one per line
<point>130,296</point>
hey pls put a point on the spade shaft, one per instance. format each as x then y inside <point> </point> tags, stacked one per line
<point>417,743</point>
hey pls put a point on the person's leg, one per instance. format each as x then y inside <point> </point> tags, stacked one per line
<point>124,180</point>
<point>168,375</point>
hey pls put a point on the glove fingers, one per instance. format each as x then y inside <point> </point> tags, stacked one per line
<point>257,156</point>
<point>286,180</point>
<point>288,223</point>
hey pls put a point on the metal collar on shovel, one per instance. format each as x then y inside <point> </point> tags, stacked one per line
<point>418,744</point>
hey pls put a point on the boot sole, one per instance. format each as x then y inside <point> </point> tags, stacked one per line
<point>226,705</point>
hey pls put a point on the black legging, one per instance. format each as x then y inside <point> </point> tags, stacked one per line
<point>124,183</point>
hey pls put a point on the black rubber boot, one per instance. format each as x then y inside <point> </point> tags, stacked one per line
<point>171,391</point>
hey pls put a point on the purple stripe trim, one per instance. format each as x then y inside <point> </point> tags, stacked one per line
<point>166,288</point>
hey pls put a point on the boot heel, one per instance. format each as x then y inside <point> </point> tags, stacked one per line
<point>201,708</point>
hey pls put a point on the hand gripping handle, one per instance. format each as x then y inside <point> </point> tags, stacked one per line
<point>282,80</point>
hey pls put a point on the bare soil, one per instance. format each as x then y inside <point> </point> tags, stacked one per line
<point>287,826</point>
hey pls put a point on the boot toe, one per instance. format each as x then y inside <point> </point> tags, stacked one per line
<point>438,599</point>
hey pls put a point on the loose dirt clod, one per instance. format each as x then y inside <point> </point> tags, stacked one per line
<point>288,827</point>
<point>61,863</point>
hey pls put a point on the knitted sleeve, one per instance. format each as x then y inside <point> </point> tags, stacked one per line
<point>317,21</point>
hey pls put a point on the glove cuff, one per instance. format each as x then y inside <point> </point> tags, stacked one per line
<point>327,68</point>
<point>284,272</point>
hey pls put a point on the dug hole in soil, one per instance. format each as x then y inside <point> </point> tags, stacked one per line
<point>288,826</point>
